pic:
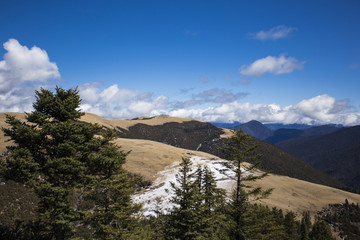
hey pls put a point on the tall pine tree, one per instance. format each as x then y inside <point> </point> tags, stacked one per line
<point>183,220</point>
<point>239,149</point>
<point>60,157</point>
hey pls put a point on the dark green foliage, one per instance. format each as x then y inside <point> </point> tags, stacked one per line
<point>17,203</point>
<point>345,218</point>
<point>304,231</point>
<point>262,223</point>
<point>184,222</point>
<point>77,177</point>
<point>321,231</point>
<point>199,203</point>
<point>291,226</point>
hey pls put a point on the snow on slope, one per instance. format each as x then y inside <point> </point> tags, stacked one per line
<point>158,196</point>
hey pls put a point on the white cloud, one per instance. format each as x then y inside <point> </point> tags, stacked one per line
<point>17,100</point>
<point>149,107</point>
<point>89,92</point>
<point>273,33</point>
<point>321,109</point>
<point>22,64</point>
<point>114,102</point>
<point>21,72</point>
<point>127,104</point>
<point>273,65</point>
<point>114,93</point>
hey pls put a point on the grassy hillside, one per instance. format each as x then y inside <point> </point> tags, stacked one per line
<point>205,137</point>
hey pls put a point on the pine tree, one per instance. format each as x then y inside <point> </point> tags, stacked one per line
<point>239,149</point>
<point>291,226</point>
<point>61,159</point>
<point>304,230</point>
<point>213,204</point>
<point>262,223</point>
<point>110,191</point>
<point>199,203</point>
<point>321,231</point>
<point>183,221</point>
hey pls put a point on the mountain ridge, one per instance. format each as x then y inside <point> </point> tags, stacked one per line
<point>337,153</point>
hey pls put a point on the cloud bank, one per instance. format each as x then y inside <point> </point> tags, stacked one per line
<point>23,70</point>
<point>127,104</point>
<point>322,109</point>
<point>273,65</point>
<point>274,33</point>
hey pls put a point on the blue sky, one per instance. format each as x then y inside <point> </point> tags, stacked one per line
<point>272,61</point>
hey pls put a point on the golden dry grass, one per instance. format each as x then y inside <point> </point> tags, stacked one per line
<point>158,120</point>
<point>148,158</point>
<point>296,195</point>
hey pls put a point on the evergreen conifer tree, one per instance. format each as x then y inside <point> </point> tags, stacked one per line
<point>199,204</point>
<point>321,231</point>
<point>213,205</point>
<point>291,226</point>
<point>304,230</point>
<point>62,159</point>
<point>239,149</point>
<point>183,221</point>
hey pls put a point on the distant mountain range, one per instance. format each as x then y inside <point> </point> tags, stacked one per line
<point>271,126</point>
<point>332,149</point>
<point>336,153</point>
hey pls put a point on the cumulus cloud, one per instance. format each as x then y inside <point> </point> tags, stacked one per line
<point>121,103</point>
<point>274,33</point>
<point>114,93</point>
<point>23,70</point>
<point>89,92</point>
<point>21,65</point>
<point>273,65</point>
<point>149,107</point>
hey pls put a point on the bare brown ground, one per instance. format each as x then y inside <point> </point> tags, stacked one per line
<point>149,157</point>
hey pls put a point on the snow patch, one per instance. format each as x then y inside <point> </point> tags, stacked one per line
<point>158,196</point>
